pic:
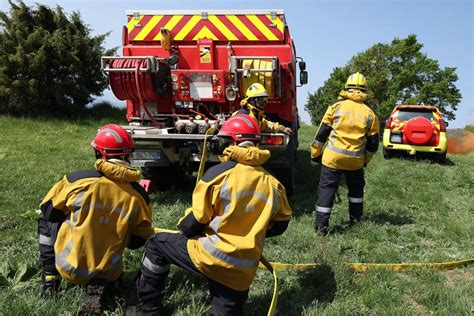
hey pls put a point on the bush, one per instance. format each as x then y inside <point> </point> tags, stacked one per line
<point>49,62</point>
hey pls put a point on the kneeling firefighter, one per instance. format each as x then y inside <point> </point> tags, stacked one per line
<point>254,103</point>
<point>345,142</point>
<point>235,206</point>
<point>90,216</point>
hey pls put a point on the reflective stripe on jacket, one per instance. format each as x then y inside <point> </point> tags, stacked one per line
<point>346,128</point>
<point>236,202</point>
<point>101,209</point>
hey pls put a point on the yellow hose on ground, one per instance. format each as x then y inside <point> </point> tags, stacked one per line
<point>362,267</point>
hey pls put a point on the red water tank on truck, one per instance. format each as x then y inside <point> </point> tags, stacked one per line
<point>184,72</point>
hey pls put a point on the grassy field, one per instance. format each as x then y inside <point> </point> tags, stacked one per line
<point>415,211</point>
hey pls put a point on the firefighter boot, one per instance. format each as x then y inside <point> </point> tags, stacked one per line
<point>321,225</point>
<point>322,230</point>
<point>151,291</point>
<point>355,213</point>
<point>95,296</point>
<point>51,283</point>
<point>150,309</point>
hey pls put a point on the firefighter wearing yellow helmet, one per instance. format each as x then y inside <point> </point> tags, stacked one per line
<point>254,104</point>
<point>346,140</point>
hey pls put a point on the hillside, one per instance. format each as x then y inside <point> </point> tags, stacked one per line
<point>416,211</point>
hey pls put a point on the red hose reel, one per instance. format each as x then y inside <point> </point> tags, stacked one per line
<point>127,85</point>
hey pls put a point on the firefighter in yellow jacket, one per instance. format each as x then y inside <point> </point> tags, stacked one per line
<point>345,142</point>
<point>235,206</point>
<point>254,103</point>
<point>89,217</point>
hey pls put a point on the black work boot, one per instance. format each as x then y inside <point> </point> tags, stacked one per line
<point>95,296</point>
<point>51,283</point>
<point>323,230</point>
<point>354,219</point>
<point>150,309</point>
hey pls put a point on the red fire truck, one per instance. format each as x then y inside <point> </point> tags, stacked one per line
<point>183,72</point>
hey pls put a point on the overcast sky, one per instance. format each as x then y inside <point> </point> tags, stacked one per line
<point>327,33</point>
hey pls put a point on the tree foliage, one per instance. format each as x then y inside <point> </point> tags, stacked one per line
<point>397,73</point>
<point>49,62</point>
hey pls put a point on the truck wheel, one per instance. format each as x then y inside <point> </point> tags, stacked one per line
<point>163,177</point>
<point>287,177</point>
<point>387,153</point>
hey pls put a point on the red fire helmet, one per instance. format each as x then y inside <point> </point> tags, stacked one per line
<point>241,127</point>
<point>113,141</point>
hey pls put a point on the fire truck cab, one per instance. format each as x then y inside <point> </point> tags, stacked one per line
<point>184,72</point>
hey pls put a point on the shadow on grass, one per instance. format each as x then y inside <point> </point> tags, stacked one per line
<point>421,157</point>
<point>389,216</point>
<point>313,287</point>
<point>306,181</point>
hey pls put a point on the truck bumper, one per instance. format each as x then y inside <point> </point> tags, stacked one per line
<point>413,149</point>
<point>156,147</point>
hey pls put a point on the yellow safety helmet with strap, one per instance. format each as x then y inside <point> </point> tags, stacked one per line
<point>256,95</point>
<point>256,90</point>
<point>356,81</point>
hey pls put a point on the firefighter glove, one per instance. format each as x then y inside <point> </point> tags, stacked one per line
<point>316,161</point>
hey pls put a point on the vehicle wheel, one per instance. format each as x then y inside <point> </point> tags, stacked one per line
<point>440,158</point>
<point>287,177</point>
<point>163,177</point>
<point>387,153</point>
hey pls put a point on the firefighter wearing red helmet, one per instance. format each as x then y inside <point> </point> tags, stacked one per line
<point>254,103</point>
<point>235,206</point>
<point>346,140</point>
<point>89,217</point>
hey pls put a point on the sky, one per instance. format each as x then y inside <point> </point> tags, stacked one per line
<point>327,33</point>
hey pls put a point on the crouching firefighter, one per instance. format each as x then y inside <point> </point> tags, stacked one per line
<point>346,140</point>
<point>89,217</point>
<point>235,206</point>
<point>254,104</point>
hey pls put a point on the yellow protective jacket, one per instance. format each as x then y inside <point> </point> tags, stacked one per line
<point>259,116</point>
<point>100,209</point>
<point>350,130</point>
<point>235,206</point>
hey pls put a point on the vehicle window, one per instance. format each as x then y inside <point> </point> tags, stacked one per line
<point>406,114</point>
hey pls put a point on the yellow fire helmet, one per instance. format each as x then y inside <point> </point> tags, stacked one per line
<point>256,90</point>
<point>356,81</point>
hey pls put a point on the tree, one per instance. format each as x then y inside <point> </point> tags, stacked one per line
<point>49,62</point>
<point>397,73</point>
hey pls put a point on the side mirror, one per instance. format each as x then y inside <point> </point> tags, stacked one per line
<point>302,65</point>
<point>446,123</point>
<point>303,77</point>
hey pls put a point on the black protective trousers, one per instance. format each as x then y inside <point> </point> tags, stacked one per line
<point>47,234</point>
<point>164,249</point>
<point>328,185</point>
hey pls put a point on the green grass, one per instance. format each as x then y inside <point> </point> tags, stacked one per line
<point>415,211</point>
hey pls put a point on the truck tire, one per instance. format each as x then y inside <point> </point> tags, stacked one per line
<point>387,153</point>
<point>286,175</point>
